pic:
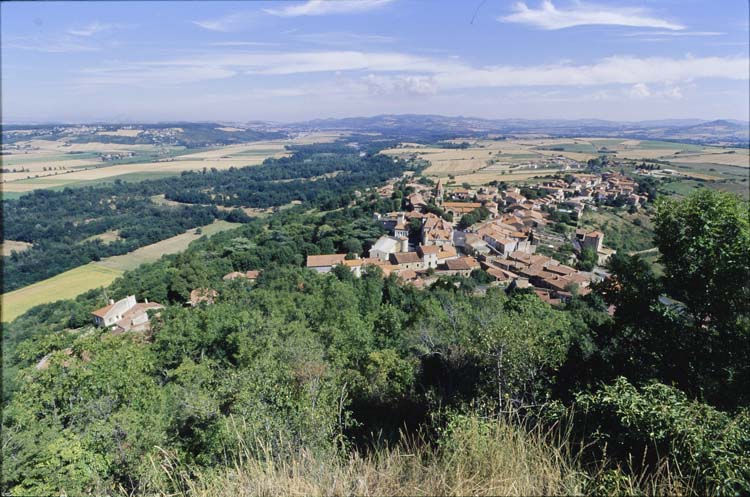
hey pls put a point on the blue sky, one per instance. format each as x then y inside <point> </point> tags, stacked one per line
<point>294,60</point>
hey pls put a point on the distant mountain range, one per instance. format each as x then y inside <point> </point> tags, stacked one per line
<point>726,132</point>
<point>416,127</point>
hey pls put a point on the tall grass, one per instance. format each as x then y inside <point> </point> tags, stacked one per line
<point>473,456</point>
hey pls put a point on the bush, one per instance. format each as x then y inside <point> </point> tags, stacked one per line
<point>706,445</point>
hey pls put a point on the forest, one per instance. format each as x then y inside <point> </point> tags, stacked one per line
<point>60,224</point>
<point>299,378</point>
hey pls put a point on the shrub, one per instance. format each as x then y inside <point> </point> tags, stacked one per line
<point>705,444</point>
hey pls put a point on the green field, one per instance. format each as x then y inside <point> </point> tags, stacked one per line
<point>22,159</point>
<point>63,286</point>
<point>72,283</point>
<point>619,228</point>
<point>153,252</point>
<point>130,177</point>
<point>586,148</point>
<point>685,186</point>
<point>659,145</point>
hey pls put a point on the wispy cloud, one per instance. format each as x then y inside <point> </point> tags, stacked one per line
<point>343,38</point>
<point>547,16</point>
<point>393,71</point>
<point>95,28</point>
<point>324,7</point>
<point>675,33</point>
<point>229,22</point>
<point>243,44</point>
<point>60,44</point>
<point>624,70</point>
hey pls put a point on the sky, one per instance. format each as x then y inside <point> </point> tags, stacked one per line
<point>297,60</point>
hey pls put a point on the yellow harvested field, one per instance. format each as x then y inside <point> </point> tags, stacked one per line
<point>106,237</point>
<point>738,159</point>
<point>240,155</point>
<point>483,178</point>
<point>72,283</point>
<point>66,285</point>
<point>9,246</point>
<point>153,252</point>
<point>121,132</point>
<point>107,172</point>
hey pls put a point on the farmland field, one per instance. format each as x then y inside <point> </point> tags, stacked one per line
<point>521,159</point>
<point>153,252</point>
<point>98,274</point>
<point>66,285</point>
<point>8,246</point>
<point>85,167</point>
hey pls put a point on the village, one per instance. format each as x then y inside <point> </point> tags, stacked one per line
<point>504,243</point>
<point>422,246</point>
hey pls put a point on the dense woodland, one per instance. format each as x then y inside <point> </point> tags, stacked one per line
<point>330,365</point>
<point>59,224</point>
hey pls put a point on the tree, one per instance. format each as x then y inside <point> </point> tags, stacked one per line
<point>703,241</point>
<point>587,259</point>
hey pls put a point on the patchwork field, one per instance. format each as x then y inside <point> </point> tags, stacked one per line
<point>521,159</point>
<point>55,164</point>
<point>72,283</point>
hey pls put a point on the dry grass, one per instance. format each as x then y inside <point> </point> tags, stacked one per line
<point>739,158</point>
<point>9,246</point>
<point>474,456</point>
<point>107,237</point>
<point>478,458</point>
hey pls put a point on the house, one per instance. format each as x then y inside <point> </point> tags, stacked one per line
<point>429,255</point>
<point>417,201</point>
<point>406,260</point>
<point>201,296</point>
<point>458,209</point>
<point>461,265</point>
<point>324,263</point>
<point>401,230</point>
<point>387,245</point>
<point>125,315</point>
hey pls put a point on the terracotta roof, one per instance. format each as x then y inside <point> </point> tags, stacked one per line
<point>428,249</point>
<point>447,252</point>
<point>498,274</point>
<point>325,260</point>
<point>560,269</point>
<point>103,311</point>
<point>405,258</point>
<point>407,274</point>
<point>462,264</point>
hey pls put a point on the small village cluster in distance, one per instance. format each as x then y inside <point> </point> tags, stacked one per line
<point>504,244</point>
